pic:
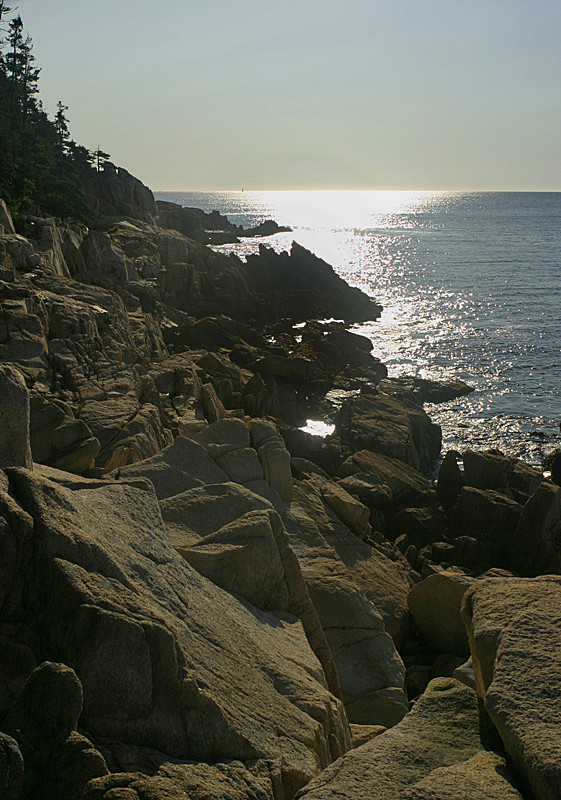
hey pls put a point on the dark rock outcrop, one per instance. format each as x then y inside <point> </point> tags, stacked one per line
<point>14,419</point>
<point>394,428</point>
<point>114,192</point>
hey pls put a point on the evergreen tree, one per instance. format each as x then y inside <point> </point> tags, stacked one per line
<point>13,58</point>
<point>100,158</point>
<point>41,168</point>
<point>61,128</point>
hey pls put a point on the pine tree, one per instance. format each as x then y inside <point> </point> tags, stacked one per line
<point>13,58</point>
<point>100,158</point>
<point>61,128</point>
<point>41,168</point>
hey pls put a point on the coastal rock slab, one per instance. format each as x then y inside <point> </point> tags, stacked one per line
<point>485,777</point>
<point>177,781</point>
<point>440,731</point>
<point>167,660</point>
<point>236,539</point>
<point>408,487</point>
<point>514,628</point>
<point>181,466</point>
<point>361,600</point>
<point>238,551</point>
<point>274,457</point>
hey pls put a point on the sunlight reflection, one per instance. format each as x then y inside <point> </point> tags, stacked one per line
<point>318,428</point>
<point>342,209</point>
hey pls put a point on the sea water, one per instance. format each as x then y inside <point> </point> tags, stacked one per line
<point>471,289</point>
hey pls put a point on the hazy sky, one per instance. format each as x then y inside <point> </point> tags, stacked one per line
<point>299,94</point>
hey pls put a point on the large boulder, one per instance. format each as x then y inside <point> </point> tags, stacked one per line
<point>125,422</point>
<point>442,730</point>
<point>15,450</point>
<point>488,469</point>
<point>535,546</point>
<point>361,600</point>
<point>46,711</point>
<point>11,768</point>
<point>178,467</point>
<point>514,628</point>
<point>58,439</point>
<point>485,776</point>
<point>273,455</point>
<point>435,605</point>
<point>450,481</point>
<point>395,428</point>
<point>489,517</point>
<point>408,487</point>
<point>167,660</point>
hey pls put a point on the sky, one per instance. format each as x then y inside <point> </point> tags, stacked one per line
<point>310,94</point>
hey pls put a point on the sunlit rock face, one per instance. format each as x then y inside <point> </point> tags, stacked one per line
<point>442,730</point>
<point>514,628</point>
<point>167,661</point>
<point>217,498</point>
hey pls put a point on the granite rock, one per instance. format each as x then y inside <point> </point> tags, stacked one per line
<point>442,730</point>
<point>514,628</point>
<point>15,450</point>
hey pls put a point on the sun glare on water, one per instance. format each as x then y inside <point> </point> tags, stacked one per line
<point>335,209</point>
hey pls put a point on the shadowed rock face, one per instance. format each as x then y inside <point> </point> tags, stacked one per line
<point>394,428</point>
<point>168,661</point>
<point>535,546</point>
<point>435,605</point>
<point>114,192</point>
<point>15,450</point>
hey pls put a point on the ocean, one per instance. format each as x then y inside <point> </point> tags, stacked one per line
<point>470,283</point>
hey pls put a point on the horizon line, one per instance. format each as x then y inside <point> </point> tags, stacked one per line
<point>432,191</point>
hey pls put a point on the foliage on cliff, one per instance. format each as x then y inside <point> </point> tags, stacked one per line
<point>41,167</point>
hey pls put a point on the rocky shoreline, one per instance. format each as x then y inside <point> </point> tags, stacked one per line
<point>200,600</point>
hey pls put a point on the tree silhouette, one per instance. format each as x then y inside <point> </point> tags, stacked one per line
<point>41,167</point>
<point>100,158</point>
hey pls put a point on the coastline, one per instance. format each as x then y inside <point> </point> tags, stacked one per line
<point>200,593</point>
<point>454,272</point>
